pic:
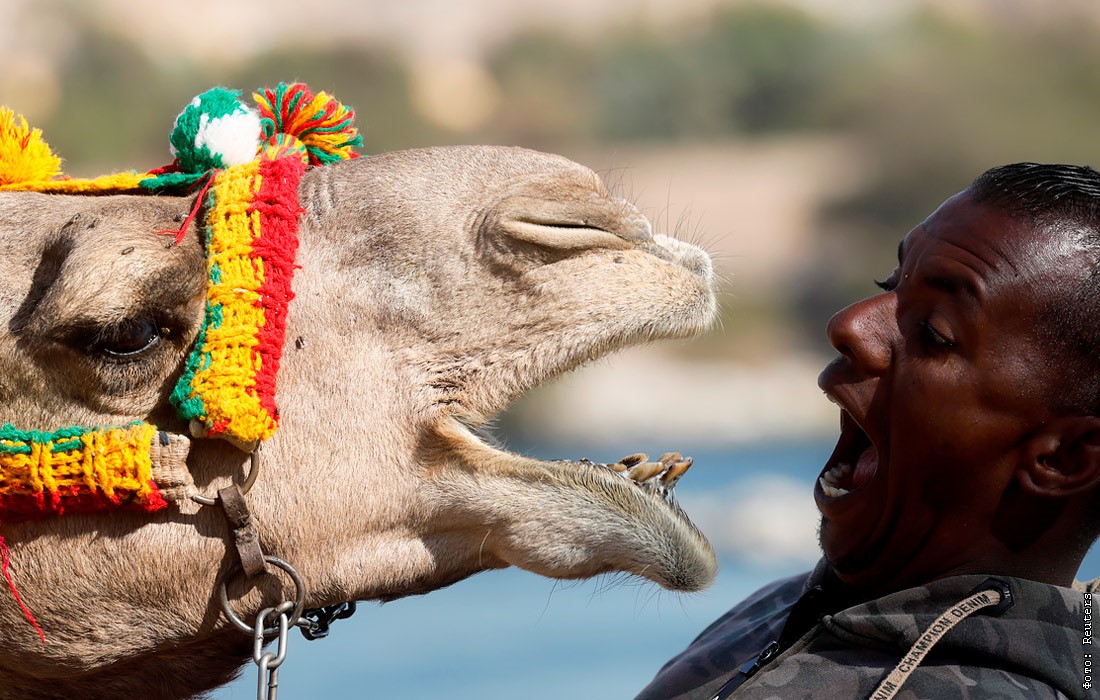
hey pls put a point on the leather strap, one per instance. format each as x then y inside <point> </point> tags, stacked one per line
<point>244,536</point>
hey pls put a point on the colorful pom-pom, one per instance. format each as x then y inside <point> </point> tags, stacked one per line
<point>217,130</point>
<point>324,127</point>
<point>24,156</point>
<point>283,145</point>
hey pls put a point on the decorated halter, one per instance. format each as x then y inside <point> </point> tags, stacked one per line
<point>245,163</point>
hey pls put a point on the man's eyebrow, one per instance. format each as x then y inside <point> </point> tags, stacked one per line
<point>951,285</point>
<point>901,250</point>
<point>955,285</point>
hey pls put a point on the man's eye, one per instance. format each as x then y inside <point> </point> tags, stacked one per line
<point>933,337</point>
<point>888,286</point>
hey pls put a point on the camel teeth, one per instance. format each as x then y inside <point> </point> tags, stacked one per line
<point>677,470</point>
<point>645,472</point>
<point>670,467</point>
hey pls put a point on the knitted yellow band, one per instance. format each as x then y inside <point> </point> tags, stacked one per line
<point>76,469</point>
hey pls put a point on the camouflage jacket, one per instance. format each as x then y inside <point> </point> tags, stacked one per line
<point>839,648</point>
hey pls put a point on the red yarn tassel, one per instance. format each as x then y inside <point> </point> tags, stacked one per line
<point>5,562</point>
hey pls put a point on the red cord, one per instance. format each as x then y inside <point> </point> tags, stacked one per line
<point>194,210</point>
<point>5,561</point>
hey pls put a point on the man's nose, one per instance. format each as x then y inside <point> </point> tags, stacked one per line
<point>863,331</point>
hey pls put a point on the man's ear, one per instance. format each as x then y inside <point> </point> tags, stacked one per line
<point>1063,458</point>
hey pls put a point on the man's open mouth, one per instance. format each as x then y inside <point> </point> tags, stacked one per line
<point>853,463</point>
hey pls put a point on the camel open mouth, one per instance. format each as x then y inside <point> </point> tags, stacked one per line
<point>656,478</point>
<point>576,518</point>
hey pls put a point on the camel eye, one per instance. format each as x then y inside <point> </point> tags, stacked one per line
<point>128,340</point>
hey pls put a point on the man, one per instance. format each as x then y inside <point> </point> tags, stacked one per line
<point>962,494</point>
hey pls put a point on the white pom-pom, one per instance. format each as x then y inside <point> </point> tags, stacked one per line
<point>235,137</point>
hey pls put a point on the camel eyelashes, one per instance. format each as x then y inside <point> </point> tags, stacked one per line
<point>563,235</point>
<point>571,219</point>
<point>126,341</point>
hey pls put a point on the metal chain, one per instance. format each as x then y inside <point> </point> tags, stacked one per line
<point>315,622</point>
<point>267,687</point>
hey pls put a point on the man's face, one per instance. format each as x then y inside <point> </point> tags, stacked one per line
<point>941,378</point>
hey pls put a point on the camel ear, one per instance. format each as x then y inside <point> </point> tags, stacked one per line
<point>1063,459</point>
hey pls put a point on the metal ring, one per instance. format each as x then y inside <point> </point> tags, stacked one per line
<point>246,485</point>
<point>253,471</point>
<point>299,596</point>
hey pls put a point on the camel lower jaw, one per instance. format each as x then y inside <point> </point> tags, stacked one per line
<point>569,519</point>
<point>646,532</point>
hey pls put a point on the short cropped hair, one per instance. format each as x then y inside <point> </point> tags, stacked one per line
<point>1042,192</point>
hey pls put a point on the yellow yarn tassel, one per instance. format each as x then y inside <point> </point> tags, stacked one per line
<point>24,156</point>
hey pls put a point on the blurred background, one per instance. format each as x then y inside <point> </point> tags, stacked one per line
<point>798,140</point>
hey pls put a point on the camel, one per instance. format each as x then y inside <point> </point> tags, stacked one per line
<point>435,286</point>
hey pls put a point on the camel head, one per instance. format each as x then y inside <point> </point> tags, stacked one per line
<point>434,287</point>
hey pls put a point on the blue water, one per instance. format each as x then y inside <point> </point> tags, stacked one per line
<point>510,634</point>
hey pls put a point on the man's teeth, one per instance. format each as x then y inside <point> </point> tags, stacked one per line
<point>831,480</point>
<point>830,491</point>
